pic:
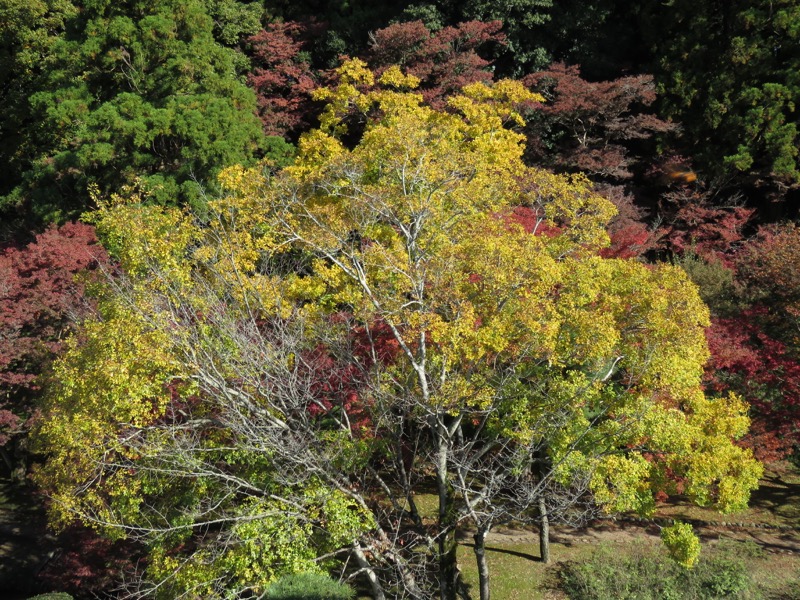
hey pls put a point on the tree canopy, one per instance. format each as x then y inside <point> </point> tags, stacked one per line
<point>273,383</point>
<point>729,73</point>
<point>131,91</point>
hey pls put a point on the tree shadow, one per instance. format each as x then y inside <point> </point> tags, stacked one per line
<point>524,555</point>
<point>779,496</point>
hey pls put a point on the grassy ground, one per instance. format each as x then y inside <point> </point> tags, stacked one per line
<point>515,570</point>
<point>517,573</point>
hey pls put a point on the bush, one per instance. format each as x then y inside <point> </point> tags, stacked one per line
<point>716,283</point>
<point>648,574</point>
<point>309,586</point>
<point>52,596</point>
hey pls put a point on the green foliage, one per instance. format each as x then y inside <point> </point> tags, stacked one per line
<point>234,20</point>
<point>30,29</point>
<point>309,586</point>
<point>525,23</point>
<point>136,90</point>
<point>729,74</point>
<point>348,24</point>
<point>649,575</point>
<point>52,596</point>
<point>682,544</point>
<point>524,20</point>
<point>714,281</point>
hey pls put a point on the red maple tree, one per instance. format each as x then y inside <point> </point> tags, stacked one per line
<point>588,126</point>
<point>747,360</point>
<point>283,78</point>
<point>444,61</point>
<point>40,300</point>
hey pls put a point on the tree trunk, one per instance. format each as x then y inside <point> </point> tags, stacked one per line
<point>448,570</point>
<point>7,459</point>
<point>361,559</point>
<point>544,532</point>
<point>483,564</point>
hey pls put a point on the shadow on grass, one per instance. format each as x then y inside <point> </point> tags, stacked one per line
<point>779,496</point>
<point>524,555</point>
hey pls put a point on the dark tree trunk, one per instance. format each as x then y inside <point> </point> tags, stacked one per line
<point>544,532</point>
<point>483,564</point>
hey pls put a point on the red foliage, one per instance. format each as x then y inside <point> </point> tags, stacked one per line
<point>630,237</point>
<point>283,78</point>
<point>692,222</point>
<point>87,565</point>
<point>444,61</point>
<point>762,369</point>
<point>585,125</point>
<point>39,300</point>
<point>337,383</point>
<point>770,265</point>
<point>532,221</point>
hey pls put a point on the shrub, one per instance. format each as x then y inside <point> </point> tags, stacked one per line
<point>682,544</point>
<point>648,574</point>
<point>309,586</point>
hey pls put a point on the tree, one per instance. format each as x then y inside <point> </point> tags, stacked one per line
<point>728,73</point>
<point>132,90</point>
<point>30,29</point>
<point>283,78</point>
<point>769,268</point>
<point>749,361</point>
<point>348,24</point>
<point>366,323</point>
<point>444,61</point>
<point>524,22</point>
<point>630,236</point>
<point>41,301</point>
<point>753,334</point>
<point>691,222</point>
<point>590,126</point>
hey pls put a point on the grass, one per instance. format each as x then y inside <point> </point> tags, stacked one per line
<point>517,573</point>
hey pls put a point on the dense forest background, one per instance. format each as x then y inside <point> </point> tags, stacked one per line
<point>682,114</point>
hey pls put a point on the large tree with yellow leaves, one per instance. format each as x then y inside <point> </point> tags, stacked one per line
<point>407,306</point>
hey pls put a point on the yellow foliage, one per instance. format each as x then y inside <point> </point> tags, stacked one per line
<point>395,78</point>
<point>113,376</point>
<point>595,362</point>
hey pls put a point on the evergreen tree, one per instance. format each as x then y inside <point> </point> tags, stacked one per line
<point>132,90</point>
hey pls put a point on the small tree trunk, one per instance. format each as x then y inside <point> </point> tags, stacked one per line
<point>361,559</point>
<point>544,532</point>
<point>483,564</point>
<point>7,460</point>
<point>448,570</point>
